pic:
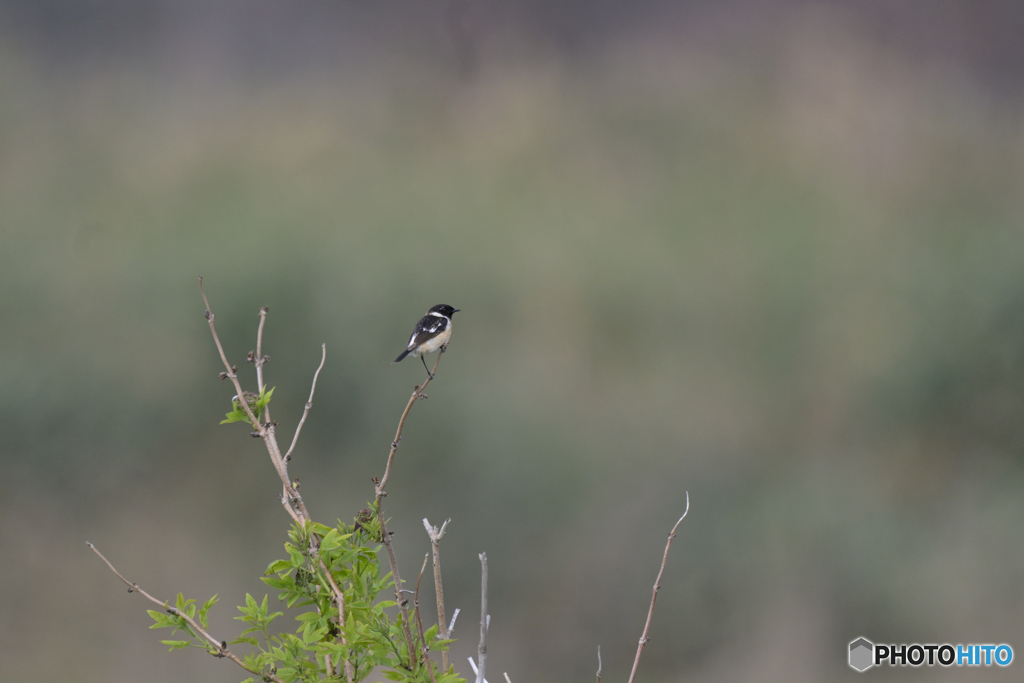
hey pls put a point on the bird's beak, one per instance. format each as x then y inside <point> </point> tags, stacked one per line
<point>456,310</point>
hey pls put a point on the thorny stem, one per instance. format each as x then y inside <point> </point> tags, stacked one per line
<point>654,596</point>
<point>219,646</point>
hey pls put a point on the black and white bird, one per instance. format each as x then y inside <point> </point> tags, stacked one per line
<point>431,333</point>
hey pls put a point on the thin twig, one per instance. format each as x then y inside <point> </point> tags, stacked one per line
<point>339,600</point>
<point>417,393</point>
<point>379,485</point>
<point>219,646</point>
<point>481,650</point>
<point>654,596</point>
<point>435,545</point>
<point>309,405</point>
<point>231,373</point>
<point>419,620</point>
<point>288,508</point>
<point>472,664</point>
<point>259,360</point>
<point>403,606</point>
<point>507,679</point>
<point>267,433</point>
<point>598,664</point>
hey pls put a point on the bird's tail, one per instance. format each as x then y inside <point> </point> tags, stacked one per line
<point>404,354</point>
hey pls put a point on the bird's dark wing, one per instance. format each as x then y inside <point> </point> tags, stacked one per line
<point>427,328</point>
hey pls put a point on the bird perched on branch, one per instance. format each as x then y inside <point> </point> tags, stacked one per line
<point>431,333</point>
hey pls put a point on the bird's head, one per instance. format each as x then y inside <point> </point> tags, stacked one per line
<point>444,309</point>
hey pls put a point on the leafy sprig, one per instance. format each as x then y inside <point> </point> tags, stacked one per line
<point>257,403</point>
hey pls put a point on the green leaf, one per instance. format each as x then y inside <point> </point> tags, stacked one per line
<point>263,400</point>
<point>317,528</point>
<point>281,584</point>
<point>238,415</point>
<point>206,608</point>
<point>297,558</point>
<point>278,566</point>
<point>162,619</point>
<point>176,644</point>
<point>247,641</point>
<point>256,403</point>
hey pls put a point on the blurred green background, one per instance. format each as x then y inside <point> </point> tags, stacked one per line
<point>767,253</point>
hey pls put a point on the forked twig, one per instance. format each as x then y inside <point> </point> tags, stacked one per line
<point>435,545</point>
<point>292,499</point>
<point>657,585</point>
<point>219,646</point>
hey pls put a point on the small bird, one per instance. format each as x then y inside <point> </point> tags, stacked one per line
<point>431,333</point>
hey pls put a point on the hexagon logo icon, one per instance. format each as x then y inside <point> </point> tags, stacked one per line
<point>862,654</point>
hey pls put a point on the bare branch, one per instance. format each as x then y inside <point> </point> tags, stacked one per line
<point>435,545</point>
<point>598,664</point>
<point>309,404</point>
<point>403,606</point>
<point>259,360</point>
<point>507,679</point>
<point>419,621</point>
<point>472,664</point>
<point>417,393</point>
<point>266,432</point>
<point>657,585</point>
<point>219,647</point>
<point>481,650</point>
<point>379,485</point>
<point>451,626</point>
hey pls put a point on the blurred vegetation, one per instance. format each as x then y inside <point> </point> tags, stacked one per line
<point>778,268</point>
